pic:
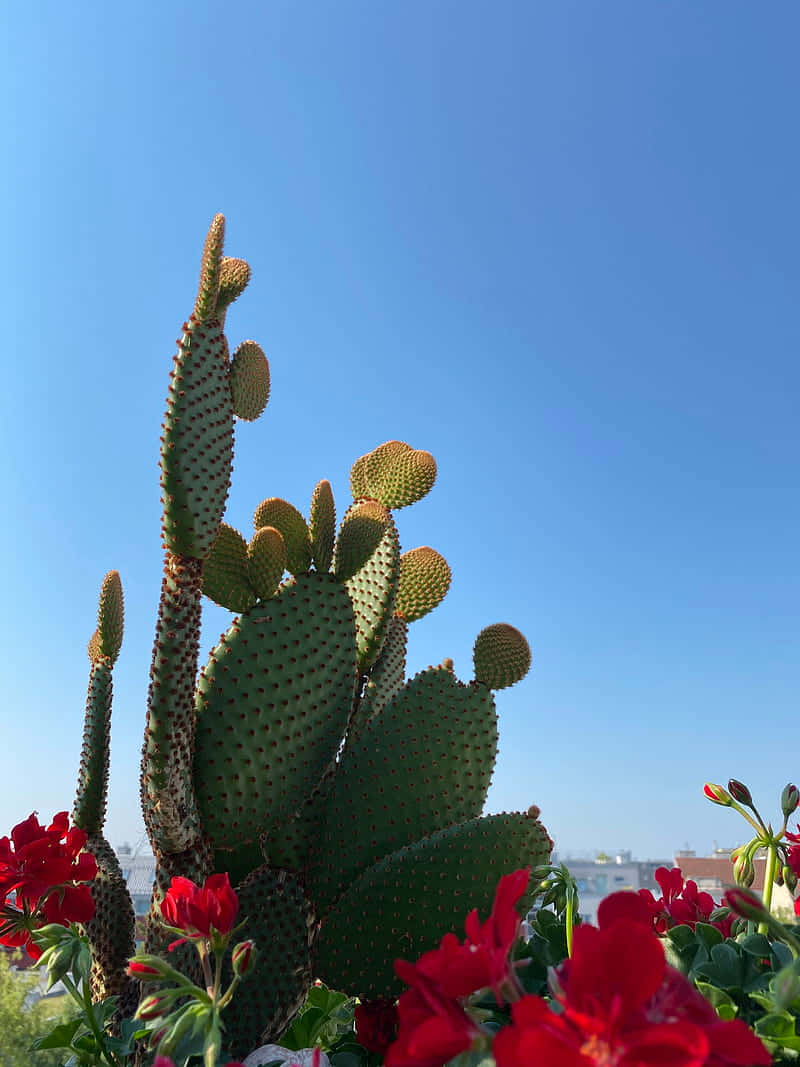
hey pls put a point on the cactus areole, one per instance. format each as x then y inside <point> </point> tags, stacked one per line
<point>343,800</point>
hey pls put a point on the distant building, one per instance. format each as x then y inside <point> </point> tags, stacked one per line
<point>139,871</point>
<point>609,874</point>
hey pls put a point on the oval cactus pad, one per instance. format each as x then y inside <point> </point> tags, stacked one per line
<point>272,705</point>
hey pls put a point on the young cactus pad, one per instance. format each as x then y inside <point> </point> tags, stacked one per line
<point>344,800</point>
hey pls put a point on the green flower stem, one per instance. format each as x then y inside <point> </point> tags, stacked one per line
<point>228,994</point>
<point>769,878</point>
<point>569,915</point>
<point>84,999</point>
<point>760,830</point>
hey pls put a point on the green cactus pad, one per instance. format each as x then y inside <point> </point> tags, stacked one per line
<point>423,764</point>
<point>358,478</point>
<point>225,573</point>
<point>285,517</point>
<point>501,656</point>
<point>234,274</point>
<point>266,560</point>
<point>249,380</point>
<point>398,475</point>
<point>205,307</point>
<point>386,677</point>
<point>280,922</point>
<point>362,529</point>
<point>372,590</point>
<point>290,844</point>
<point>424,580</point>
<point>107,639</point>
<point>111,930</point>
<point>89,810</point>
<point>197,443</point>
<point>404,905</point>
<point>272,705</point>
<point>322,525</point>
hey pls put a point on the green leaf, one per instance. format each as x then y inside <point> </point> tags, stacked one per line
<point>777,1026</point>
<point>681,936</point>
<point>60,1036</point>
<point>709,935</point>
<point>718,998</point>
<point>757,945</point>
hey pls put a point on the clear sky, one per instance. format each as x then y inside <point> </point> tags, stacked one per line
<point>556,244</point>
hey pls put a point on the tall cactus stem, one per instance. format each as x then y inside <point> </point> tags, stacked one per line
<point>168,799</point>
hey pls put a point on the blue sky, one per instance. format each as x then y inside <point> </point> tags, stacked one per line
<point>554,244</point>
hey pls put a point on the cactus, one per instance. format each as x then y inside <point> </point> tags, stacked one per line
<point>343,800</point>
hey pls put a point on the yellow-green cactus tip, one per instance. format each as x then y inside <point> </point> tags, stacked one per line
<point>423,583</point>
<point>397,474</point>
<point>234,275</point>
<point>501,656</point>
<point>110,619</point>
<point>266,561</point>
<point>208,288</point>
<point>249,378</point>
<point>287,519</point>
<point>322,524</point>
<point>361,532</point>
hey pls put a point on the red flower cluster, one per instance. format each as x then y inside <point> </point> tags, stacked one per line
<point>622,1006</point>
<point>433,1025</point>
<point>376,1024</point>
<point>200,912</point>
<point>43,868</point>
<point>793,856</point>
<point>681,904</point>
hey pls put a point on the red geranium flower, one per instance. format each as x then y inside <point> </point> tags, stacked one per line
<point>376,1024</point>
<point>622,1006</point>
<point>681,904</point>
<point>433,1026</point>
<point>43,867</point>
<point>200,912</point>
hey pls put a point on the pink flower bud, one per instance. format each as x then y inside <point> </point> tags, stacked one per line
<point>717,794</point>
<point>243,958</point>
<point>744,871</point>
<point>152,1007</point>
<point>740,792</point>
<point>141,970</point>
<point>746,904</point>
<point>790,798</point>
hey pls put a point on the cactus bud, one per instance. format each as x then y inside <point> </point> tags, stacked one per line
<point>746,904</point>
<point>789,879</point>
<point>740,792</point>
<point>790,798</point>
<point>717,794</point>
<point>743,870</point>
<point>243,957</point>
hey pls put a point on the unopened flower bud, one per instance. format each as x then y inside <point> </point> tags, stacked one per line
<point>243,957</point>
<point>142,970</point>
<point>790,798</point>
<point>790,879</point>
<point>152,1007</point>
<point>744,872</point>
<point>746,904</point>
<point>740,792</point>
<point>717,794</point>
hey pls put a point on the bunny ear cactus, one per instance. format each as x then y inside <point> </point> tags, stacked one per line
<point>344,800</point>
<point>111,930</point>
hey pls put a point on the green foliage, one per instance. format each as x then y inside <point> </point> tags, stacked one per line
<point>21,1023</point>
